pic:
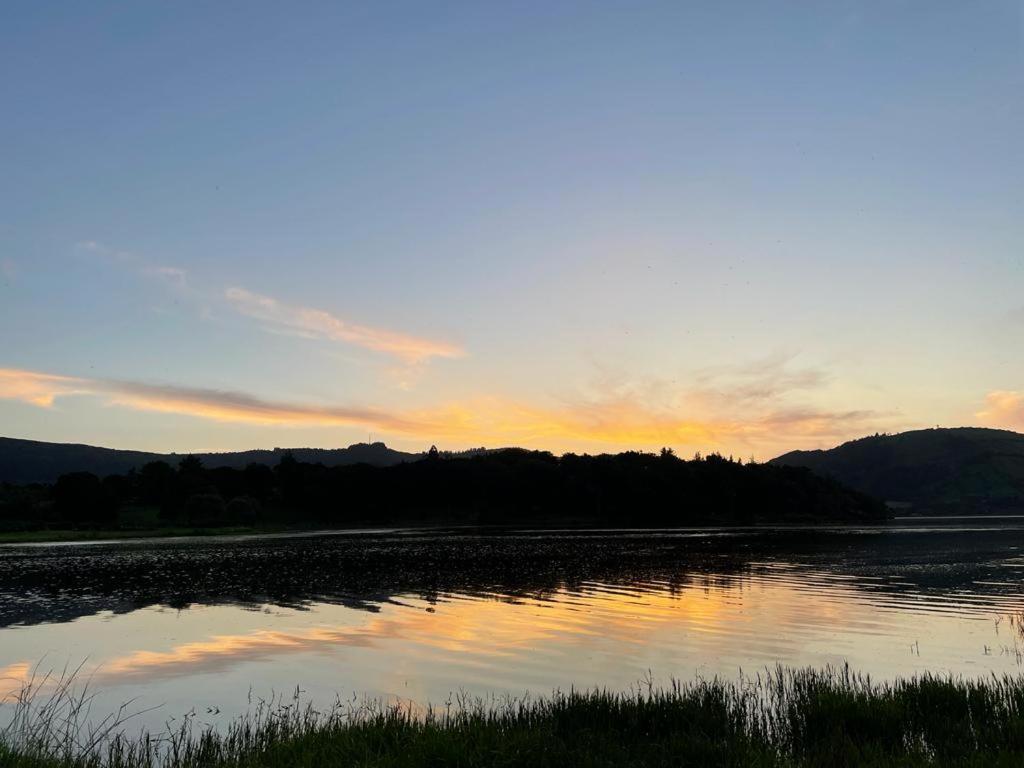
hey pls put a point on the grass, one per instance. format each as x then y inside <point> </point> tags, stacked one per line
<point>829,717</point>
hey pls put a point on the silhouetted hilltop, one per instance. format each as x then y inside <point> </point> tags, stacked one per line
<point>964,470</point>
<point>31,461</point>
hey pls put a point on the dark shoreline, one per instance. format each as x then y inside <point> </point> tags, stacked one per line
<point>114,536</point>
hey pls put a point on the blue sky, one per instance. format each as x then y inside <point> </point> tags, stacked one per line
<point>575,226</point>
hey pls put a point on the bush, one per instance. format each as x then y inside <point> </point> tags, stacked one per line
<point>82,501</point>
<point>205,510</point>
<point>243,510</point>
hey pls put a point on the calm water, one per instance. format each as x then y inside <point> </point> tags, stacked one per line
<point>419,615</point>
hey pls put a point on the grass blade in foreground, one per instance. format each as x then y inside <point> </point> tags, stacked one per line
<point>830,718</point>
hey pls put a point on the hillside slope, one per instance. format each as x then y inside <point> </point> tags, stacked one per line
<point>31,461</point>
<point>964,470</point>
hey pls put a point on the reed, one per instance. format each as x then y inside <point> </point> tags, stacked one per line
<point>781,717</point>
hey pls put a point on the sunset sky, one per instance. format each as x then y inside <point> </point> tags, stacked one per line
<point>573,226</point>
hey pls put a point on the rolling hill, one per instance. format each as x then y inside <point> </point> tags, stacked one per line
<point>964,470</point>
<point>31,461</point>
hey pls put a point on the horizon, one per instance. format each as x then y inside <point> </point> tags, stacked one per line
<point>442,449</point>
<point>559,228</point>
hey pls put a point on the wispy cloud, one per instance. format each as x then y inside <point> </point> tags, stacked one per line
<point>106,253</point>
<point>175,276</point>
<point>616,421</point>
<point>767,378</point>
<point>1003,408</point>
<point>43,389</point>
<point>39,388</point>
<point>280,318</point>
<point>625,422</point>
<point>317,323</point>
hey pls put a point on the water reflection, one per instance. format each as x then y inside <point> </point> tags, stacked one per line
<point>55,584</point>
<point>420,615</point>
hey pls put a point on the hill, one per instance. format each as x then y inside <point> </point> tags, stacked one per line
<point>942,471</point>
<point>31,461</point>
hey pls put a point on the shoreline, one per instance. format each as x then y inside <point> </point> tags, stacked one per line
<point>115,536</point>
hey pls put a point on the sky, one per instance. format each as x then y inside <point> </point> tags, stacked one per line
<point>743,227</point>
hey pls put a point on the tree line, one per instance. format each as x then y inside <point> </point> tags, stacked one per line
<point>508,486</point>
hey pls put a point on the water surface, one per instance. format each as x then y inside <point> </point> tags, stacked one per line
<point>420,615</point>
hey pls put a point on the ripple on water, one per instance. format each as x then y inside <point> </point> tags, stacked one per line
<point>419,615</point>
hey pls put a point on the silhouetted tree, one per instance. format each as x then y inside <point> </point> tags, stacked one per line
<point>242,510</point>
<point>190,465</point>
<point>81,500</point>
<point>156,482</point>
<point>205,510</point>
<point>259,481</point>
<point>497,487</point>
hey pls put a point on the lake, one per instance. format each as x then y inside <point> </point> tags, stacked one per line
<point>422,615</point>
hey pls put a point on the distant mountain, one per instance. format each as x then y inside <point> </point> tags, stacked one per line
<point>964,470</point>
<point>29,461</point>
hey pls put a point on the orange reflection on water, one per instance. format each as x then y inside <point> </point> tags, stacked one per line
<point>482,629</point>
<point>588,633</point>
<point>13,677</point>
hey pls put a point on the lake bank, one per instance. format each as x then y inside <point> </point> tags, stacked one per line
<point>114,535</point>
<point>831,717</point>
<point>86,536</point>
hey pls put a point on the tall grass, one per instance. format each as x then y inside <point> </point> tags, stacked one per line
<point>832,717</point>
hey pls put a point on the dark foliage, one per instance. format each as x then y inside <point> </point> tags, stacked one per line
<point>937,471</point>
<point>501,487</point>
<point>84,501</point>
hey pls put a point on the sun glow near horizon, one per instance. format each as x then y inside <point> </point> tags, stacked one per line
<point>705,419</point>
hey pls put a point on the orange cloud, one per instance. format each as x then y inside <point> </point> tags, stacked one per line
<point>220,405</point>
<point>316,323</point>
<point>621,420</point>
<point>1003,408</point>
<point>624,422</point>
<point>38,388</point>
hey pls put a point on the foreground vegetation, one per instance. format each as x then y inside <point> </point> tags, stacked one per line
<point>783,718</point>
<point>498,487</point>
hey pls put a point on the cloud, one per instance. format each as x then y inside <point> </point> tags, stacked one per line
<point>228,406</point>
<point>43,389</point>
<point>1003,408</point>
<point>39,388</point>
<point>316,323</point>
<point>617,421</point>
<point>108,254</point>
<point>627,422</point>
<point>767,378</point>
<point>278,317</point>
<point>173,275</point>
<point>8,269</point>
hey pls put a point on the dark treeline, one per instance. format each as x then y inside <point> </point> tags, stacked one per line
<point>508,486</point>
